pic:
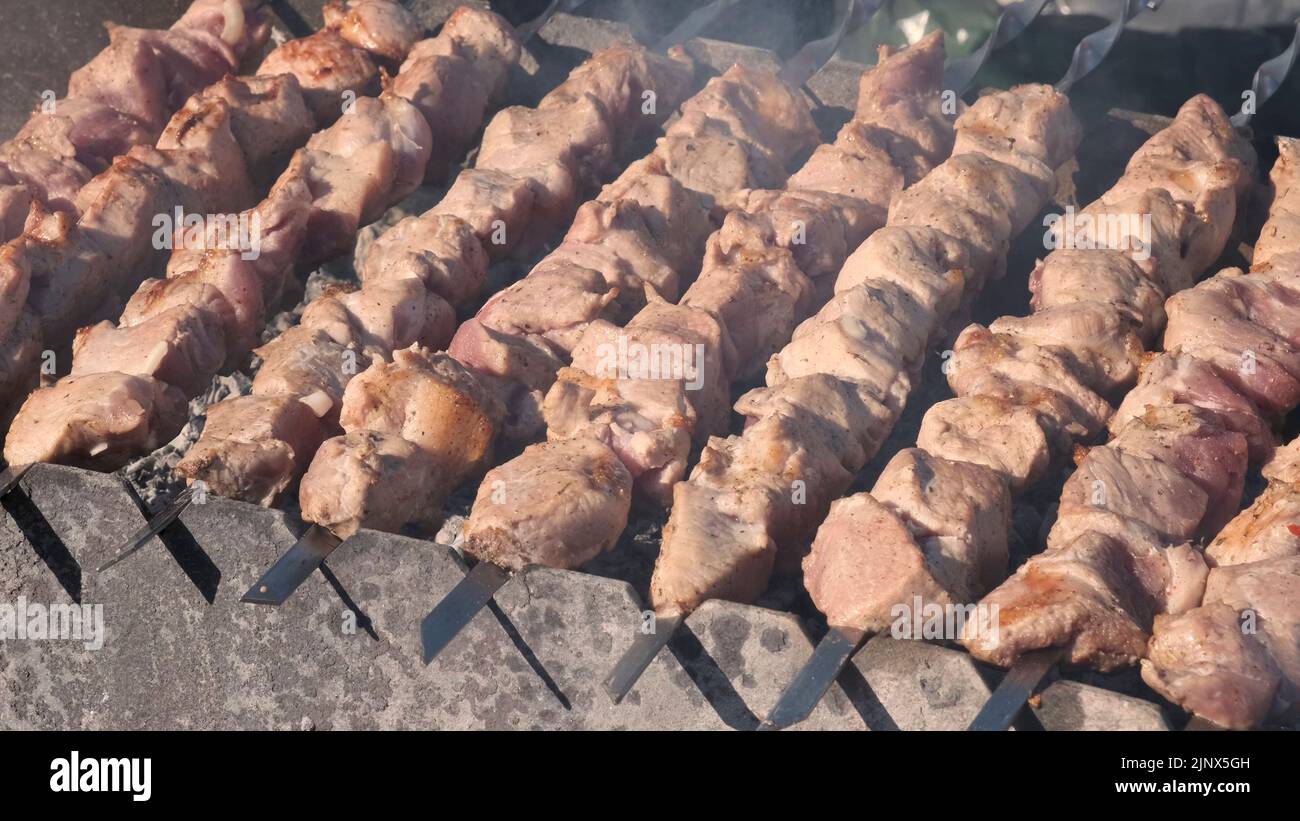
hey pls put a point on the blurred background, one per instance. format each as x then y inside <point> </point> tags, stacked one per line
<point>1184,47</point>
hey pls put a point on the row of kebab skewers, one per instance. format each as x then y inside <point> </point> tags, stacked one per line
<point>738,245</point>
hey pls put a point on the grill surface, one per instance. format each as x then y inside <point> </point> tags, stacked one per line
<point>181,651</point>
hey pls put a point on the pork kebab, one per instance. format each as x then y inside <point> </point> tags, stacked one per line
<point>216,156</point>
<point>254,447</point>
<point>632,423</point>
<point>129,383</point>
<point>835,391</point>
<point>934,527</point>
<point>417,428</point>
<point>122,98</point>
<point>640,424</point>
<point>1118,557</point>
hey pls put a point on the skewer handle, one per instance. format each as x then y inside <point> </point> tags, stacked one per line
<point>1000,711</point>
<point>458,608</point>
<point>293,568</point>
<point>802,695</point>
<point>638,656</point>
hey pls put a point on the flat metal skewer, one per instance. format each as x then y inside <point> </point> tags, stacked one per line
<point>1267,80</point>
<point>293,568</point>
<point>634,661</point>
<point>1092,50</point>
<point>801,696</point>
<point>157,524</point>
<point>10,478</point>
<point>1010,24</point>
<point>808,60</point>
<point>1000,711</point>
<point>458,608</point>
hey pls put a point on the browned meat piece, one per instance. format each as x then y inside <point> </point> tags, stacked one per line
<point>1204,662</point>
<point>1074,277</point>
<point>428,399</point>
<point>517,512</point>
<point>620,76</point>
<point>382,27</point>
<point>1042,377</point>
<point>182,346</point>
<point>495,205</point>
<point>958,514</point>
<point>439,250</point>
<point>253,448</point>
<point>355,169</point>
<point>1279,242</point>
<point>268,118</point>
<point>417,428</point>
<point>487,41</point>
<point>383,317</point>
<point>1105,352</point>
<point>327,67</point>
<point>1096,596</point>
<point>305,361</point>
<point>1177,378</point>
<point>15,282</point>
<point>99,421</point>
<point>1245,326</point>
<point>719,548</point>
<point>988,431</point>
<point>928,264</point>
<point>1265,530</point>
<point>374,480</point>
<point>865,561</point>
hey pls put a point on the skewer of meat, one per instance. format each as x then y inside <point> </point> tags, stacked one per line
<point>1173,471</point>
<point>832,397</point>
<point>129,384</point>
<point>211,158</point>
<point>836,389</point>
<point>428,421</point>
<point>311,362</point>
<point>1233,659</point>
<point>121,98</point>
<point>615,435</point>
<point>408,424</point>
<point>933,530</point>
<point>775,257</point>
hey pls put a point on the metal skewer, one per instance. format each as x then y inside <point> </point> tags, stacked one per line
<point>473,592</point>
<point>1092,50</point>
<point>837,647</point>
<point>1010,24</point>
<point>1268,78</point>
<point>10,478</point>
